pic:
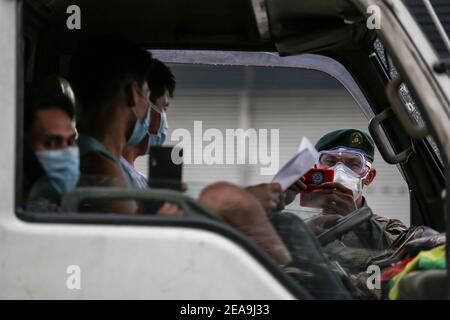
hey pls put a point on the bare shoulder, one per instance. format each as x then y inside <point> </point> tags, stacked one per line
<point>97,165</point>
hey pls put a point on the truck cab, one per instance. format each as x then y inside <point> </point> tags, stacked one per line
<point>397,76</point>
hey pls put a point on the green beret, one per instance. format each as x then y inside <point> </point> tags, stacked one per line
<point>350,138</point>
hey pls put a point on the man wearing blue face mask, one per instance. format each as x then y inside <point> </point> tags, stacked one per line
<point>109,77</point>
<point>162,84</point>
<point>51,156</point>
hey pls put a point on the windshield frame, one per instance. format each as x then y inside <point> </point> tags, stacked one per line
<point>315,62</point>
<point>415,58</point>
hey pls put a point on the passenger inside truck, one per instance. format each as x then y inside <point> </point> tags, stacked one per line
<point>95,106</point>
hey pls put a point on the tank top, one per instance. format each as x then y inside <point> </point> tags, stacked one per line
<point>88,144</point>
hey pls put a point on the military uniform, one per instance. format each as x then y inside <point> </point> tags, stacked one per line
<point>358,246</point>
<point>361,243</point>
<point>382,231</point>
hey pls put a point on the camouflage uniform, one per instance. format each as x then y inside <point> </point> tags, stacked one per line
<point>361,245</point>
<point>382,232</point>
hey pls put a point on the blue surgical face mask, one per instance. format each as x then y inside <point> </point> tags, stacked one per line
<point>62,167</point>
<point>140,130</point>
<point>163,129</point>
<point>159,138</point>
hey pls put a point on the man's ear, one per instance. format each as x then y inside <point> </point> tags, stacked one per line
<point>131,93</point>
<point>370,176</point>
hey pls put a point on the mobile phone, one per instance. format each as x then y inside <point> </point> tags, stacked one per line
<point>316,176</point>
<point>165,167</point>
<point>313,179</point>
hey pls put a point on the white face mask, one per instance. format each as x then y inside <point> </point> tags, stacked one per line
<point>345,176</point>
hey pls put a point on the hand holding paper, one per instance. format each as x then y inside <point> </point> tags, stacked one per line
<point>305,158</point>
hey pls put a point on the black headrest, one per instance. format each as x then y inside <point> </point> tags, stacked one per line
<point>55,88</point>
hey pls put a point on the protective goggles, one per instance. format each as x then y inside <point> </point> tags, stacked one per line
<point>353,159</point>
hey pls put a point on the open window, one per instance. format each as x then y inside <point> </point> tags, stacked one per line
<point>231,78</point>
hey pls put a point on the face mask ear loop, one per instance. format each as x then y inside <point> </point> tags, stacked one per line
<point>366,174</point>
<point>354,199</point>
<point>362,184</point>
<point>147,101</point>
<point>155,108</point>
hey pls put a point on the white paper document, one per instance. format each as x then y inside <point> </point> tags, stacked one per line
<point>305,159</point>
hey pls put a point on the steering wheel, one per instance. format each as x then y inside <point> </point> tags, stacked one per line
<point>344,225</point>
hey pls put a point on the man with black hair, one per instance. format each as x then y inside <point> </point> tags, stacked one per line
<point>109,76</point>
<point>111,82</point>
<point>161,82</point>
<point>162,86</point>
<point>51,156</point>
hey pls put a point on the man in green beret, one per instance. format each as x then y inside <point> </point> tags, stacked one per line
<point>350,153</point>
